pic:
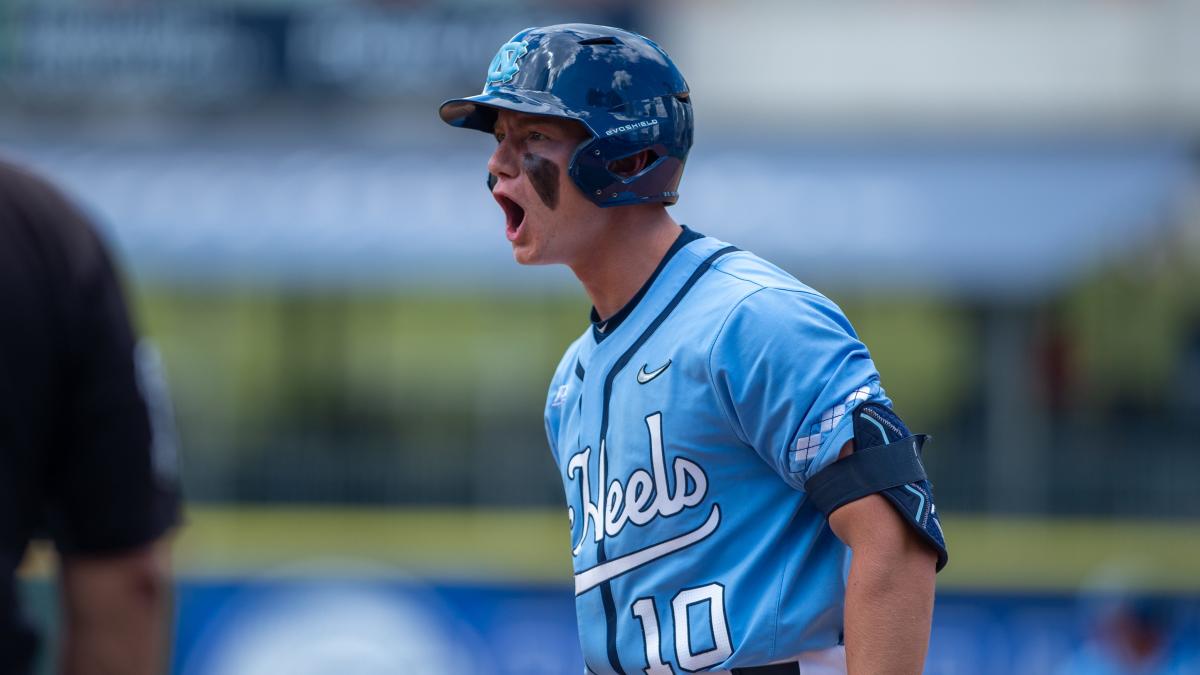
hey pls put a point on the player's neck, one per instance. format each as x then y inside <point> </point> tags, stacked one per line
<point>620,262</point>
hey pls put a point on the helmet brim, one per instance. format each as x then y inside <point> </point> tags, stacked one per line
<point>479,112</point>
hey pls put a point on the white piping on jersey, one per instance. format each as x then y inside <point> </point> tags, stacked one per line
<point>590,578</point>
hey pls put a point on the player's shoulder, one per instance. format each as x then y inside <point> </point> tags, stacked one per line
<point>753,272</point>
<point>31,197</point>
<point>36,213</point>
<point>16,179</point>
<point>755,291</point>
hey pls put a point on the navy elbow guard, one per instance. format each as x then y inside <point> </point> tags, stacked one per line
<point>887,461</point>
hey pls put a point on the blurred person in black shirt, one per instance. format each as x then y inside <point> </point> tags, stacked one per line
<point>87,455</point>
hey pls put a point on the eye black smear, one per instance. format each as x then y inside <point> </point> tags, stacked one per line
<point>543,174</point>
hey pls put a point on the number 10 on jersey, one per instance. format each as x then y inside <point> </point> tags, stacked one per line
<point>719,646</point>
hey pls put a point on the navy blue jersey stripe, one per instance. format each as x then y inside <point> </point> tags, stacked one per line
<point>610,614</point>
<point>610,608</point>
<point>603,328</point>
<point>658,320</point>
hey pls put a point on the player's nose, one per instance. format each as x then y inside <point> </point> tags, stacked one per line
<point>502,163</point>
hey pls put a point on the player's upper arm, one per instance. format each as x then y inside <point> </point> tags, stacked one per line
<point>108,489</point>
<point>92,582</point>
<point>116,611</point>
<point>871,523</point>
<point>787,367</point>
<point>876,493</point>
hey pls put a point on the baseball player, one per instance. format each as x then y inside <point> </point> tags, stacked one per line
<point>720,431</point>
<point>86,446</point>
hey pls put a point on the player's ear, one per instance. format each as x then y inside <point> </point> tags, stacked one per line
<point>633,164</point>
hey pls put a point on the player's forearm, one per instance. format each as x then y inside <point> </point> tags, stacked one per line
<point>889,608</point>
<point>116,613</point>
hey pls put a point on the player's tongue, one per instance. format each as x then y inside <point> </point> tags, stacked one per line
<point>514,214</point>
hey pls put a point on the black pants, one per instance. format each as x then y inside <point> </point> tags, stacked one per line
<point>792,668</point>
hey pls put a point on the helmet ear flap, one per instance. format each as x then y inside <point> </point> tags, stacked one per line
<point>584,169</point>
<point>597,169</point>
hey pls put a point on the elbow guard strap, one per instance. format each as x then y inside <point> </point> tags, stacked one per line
<point>887,461</point>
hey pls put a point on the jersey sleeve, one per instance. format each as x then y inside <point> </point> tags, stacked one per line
<point>111,484</point>
<point>788,367</point>
<point>556,396</point>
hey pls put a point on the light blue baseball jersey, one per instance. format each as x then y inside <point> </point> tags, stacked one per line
<point>683,437</point>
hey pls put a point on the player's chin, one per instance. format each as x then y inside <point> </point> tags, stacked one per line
<point>525,245</point>
<point>526,254</point>
<point>532,251</point>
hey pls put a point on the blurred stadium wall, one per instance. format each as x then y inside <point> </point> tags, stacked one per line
<point>1005,198</point>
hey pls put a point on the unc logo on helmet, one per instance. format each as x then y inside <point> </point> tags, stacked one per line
<point>621,86</point>
<point>504,66</point>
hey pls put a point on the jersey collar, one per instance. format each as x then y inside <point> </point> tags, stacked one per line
<point>602,329</point>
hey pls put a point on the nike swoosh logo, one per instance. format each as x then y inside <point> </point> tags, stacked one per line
<point>644,377</point>
<point>590,578</point>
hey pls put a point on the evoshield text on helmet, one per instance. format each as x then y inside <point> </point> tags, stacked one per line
<point>620,85</point>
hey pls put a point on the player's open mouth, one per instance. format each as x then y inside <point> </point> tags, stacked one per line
<point>514,215</point>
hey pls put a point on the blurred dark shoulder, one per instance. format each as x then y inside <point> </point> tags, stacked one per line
<point>43,233</point>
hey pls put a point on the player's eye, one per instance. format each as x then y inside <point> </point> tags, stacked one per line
<point>536,136</point>
<point>499,137</point>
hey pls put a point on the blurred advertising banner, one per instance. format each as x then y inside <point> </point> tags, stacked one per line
<point>225,54</point>
<point>927,65</point>
<point>330,627</point>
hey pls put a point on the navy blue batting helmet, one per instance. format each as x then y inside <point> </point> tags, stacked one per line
<point>620,85</point>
